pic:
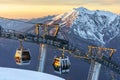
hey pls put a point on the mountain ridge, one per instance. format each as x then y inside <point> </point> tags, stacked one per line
<point>93,25</point>
<point>99,26</point>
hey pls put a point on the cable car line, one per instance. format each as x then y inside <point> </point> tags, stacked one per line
<point>41,24</point>
<point>60,44</point>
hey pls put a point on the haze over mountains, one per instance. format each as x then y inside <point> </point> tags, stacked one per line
<point>82,27</point>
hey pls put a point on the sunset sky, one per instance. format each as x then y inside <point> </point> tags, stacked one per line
<point>39,8</point>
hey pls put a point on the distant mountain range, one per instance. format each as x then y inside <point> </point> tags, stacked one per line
<point>22,24</point>
<point>83,26</point>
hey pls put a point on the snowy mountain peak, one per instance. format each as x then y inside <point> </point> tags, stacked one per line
<point>98,25</point>
<point>81,9</point>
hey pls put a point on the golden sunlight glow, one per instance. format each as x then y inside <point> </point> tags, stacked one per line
<point>12,9</point>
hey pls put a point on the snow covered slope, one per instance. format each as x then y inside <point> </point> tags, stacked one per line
<point>17,74</point>
<point>42,19</point>
<point>23,25</point>
<point>15,24</point>
<point>95,26</point>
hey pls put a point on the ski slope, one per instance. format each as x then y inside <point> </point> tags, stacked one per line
<point>19,74</point>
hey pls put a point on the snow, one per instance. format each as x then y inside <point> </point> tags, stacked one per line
<point>83,10</point>
<point>68,14</point>
<point>14,24</point>
<point>60,16</point>
<point>93,25</point>
<point>110,15</point>
<point>19,74</point>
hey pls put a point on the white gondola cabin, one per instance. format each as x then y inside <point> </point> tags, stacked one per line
<point>61,64</point>
<point>22,57</point>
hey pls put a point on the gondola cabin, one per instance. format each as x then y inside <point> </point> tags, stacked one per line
<point>61,65</point>
<point>22,57</point>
